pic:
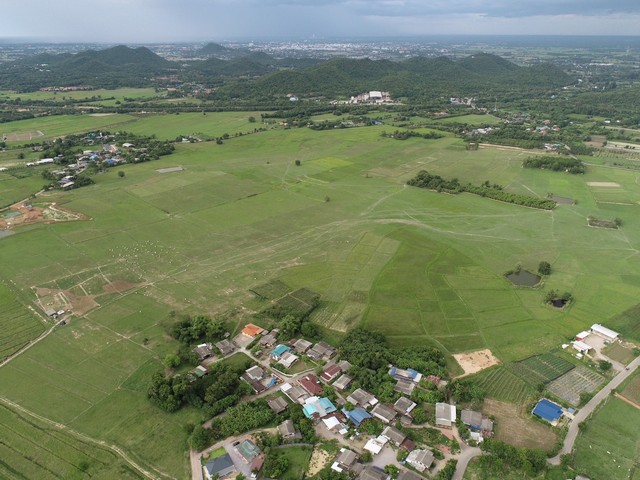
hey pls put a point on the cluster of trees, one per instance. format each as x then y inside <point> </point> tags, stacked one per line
<point>214,393</point>
<point>530,461</point>
<point>556,164</point>
<point>435,182</point>
<point>370,356</point>
<point>544,268</point>
<point>189,330</point>
<point>405,134</point>
<point>242,418</point>
<point>555,295</point>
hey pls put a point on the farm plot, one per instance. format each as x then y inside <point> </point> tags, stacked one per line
<point>571,385</point>
<point>502,384</point>
<point>18,326</point>
<point>30,449</point>
<point>299,303</point>
<point>271,290</point>
<point>632,390</point>
<point>541,368</point>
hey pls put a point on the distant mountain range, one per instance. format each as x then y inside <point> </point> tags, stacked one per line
<point>246,73</point>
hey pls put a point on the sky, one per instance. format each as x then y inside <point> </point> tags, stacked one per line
<point>153,21</point>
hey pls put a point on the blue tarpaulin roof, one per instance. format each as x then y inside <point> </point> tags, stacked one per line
<point>357,415</point>
<point>547,410</point>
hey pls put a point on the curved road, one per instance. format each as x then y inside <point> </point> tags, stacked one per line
<point>466,455</point>
<point>588,409</point>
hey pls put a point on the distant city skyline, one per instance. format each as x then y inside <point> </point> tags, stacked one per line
<point>153,21</point>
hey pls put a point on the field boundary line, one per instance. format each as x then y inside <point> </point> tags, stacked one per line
<point>82,436</point>
<point>626,400</point>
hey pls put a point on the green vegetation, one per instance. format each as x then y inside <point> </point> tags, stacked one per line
<point>18,326</point>
<point>435,182</point>
<point>607,446</point>
<point>32,449</point>
<point>288,463</point>
<point>501,383</point>
<point>424,269</point>
<point>555,164</point>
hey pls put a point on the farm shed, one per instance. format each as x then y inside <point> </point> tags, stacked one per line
<point>547,410</point>
<point>604,331</point>
<point>581,346</point>
<point>445,415</point>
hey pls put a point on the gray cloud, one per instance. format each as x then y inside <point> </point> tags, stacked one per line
<point>124,21</point>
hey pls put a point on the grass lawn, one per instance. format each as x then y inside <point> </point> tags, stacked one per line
<point>298,458</point>
<point>608,448</point>
<point>619,353</point>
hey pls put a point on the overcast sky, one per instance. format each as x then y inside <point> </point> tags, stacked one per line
<point>149,21</point>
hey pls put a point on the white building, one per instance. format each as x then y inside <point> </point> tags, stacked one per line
<point>604,332</point>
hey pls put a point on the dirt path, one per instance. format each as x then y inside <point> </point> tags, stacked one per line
<point>626,400</point>
<point>81,436</point>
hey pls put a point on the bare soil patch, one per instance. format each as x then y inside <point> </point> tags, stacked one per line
<point>72,300</point>
<point>21,136</point>
<point>24,213</point>
<point>319,459</point>
<point>514,426</point>
<point>474,362</point>
<point>603,184</point>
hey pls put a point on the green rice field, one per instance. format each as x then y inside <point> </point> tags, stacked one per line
<point>421,267</point>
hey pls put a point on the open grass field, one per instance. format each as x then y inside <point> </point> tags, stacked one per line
<point>18,325</point>
<point>608,447</point>
<point>472,119</point>
<point>100,94</point>
<point>298,458</point>
<point>421,267</point>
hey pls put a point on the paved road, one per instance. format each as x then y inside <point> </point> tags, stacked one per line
<point>588,409</point>
<point>466,455</point>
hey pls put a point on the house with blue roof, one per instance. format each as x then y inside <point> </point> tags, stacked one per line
<point>548,410</point>
<point>277,352</point>
<point>408,375</point>
<point>316,407</point>
<point>357,415</point>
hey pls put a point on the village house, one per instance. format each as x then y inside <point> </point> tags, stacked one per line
<point>330,373</point>
<point>345,460</point>
<point>295,393</point>
<point>404,406</point>
<point>287,359</point>
<point>375,445</point>
<point>277,352</point>
<point>301,345</point>
<point>370,472</point>
<point>219,467</point>
<point>362,398</point>
<point>225,347</point>
<point>321,351</point>
<point>334,422</point>
<point>316,408</point>
<point>394,435</point>
<point>409,475</point>
<point>277,404</point>
<point>445,415</point>
<point>408,375</point>
<point>357,415</point>
<point>311,384</point>
<point>421,460</point>
<point>269,340</point>
<point>343,382</point>
<point>384,412</point>
<point>405,387</point>
<point>288,431</point>
<point>252,331</point>
<point>344,365</point>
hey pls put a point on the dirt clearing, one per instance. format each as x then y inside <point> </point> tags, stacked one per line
<point>25,213</point>
<point>474,362</point>
<point>319,459</point>
<point>21,136</point>
<point>514,426</point>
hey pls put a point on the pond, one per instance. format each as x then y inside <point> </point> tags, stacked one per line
<point>523,278</point>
